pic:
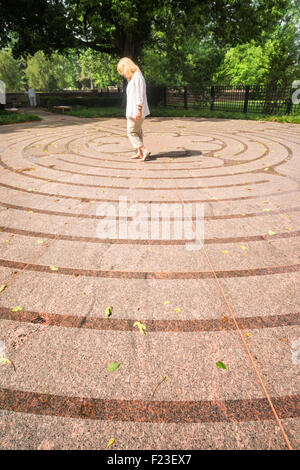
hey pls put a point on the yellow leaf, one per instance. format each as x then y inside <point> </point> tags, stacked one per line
<point>3,287</point>
<point>177,310</point>
<point>40,242</point>
<point>110,442</point>
<point>167,302</point>
<point>243,247</point>
<point>247,333</point>
<point>225,251</point>
<point>5,360</point>
<point>17,308</point>
<point>140,326</point>
<point>53,268</point>
<point>30,212</point>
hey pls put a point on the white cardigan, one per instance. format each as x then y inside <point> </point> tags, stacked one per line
<point>136,95</point>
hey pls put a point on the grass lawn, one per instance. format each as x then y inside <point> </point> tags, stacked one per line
<point>161,111</point>
<point>11,118</point>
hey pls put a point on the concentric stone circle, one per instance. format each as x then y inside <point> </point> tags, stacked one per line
<point>54,177</point>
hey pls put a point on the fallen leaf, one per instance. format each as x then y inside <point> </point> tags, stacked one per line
<point>243,247</point>
<point>225,251</point>
<point>17,309</point>
<point>177,310</point>
<point>140,326</point>
<point>220,365</point>
<point>270,232</point>
<point>2,287</point>
<point>110,442</point>
<point>247,333</point>
<point>5,360</point>
<point>53,268</point>
<point>159,383</point>
<point>112,366</point>
<point>108,312</point>
<point>167,302</point>
<point>40,242</point>
<point>283,339</point>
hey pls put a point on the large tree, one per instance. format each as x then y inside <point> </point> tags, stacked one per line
<point>124,27</point>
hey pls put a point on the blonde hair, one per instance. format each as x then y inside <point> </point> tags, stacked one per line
<point>127,65</point>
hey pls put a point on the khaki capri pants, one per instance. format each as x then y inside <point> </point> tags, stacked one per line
<point>135,132</point>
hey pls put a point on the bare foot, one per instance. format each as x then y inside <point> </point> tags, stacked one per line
<point>137,155</point>
<point>146,155</point>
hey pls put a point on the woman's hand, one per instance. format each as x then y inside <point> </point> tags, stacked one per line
<point>138,115</point>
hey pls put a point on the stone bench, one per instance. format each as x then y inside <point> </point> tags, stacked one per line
<point>12,110</point>
<point>62,108</point>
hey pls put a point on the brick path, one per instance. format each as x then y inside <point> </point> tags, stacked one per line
<point>235,300</point>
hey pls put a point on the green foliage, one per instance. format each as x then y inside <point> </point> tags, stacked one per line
<point>272,60</point>
<point>11,72</point>
<point>125,27</point>
<point>12,118</point>
<point>188,113</point>
<point>99,68</point>
<point>77,43</point>
<point>49,74</point>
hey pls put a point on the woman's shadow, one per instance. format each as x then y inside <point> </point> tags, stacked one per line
<point>176,154</point>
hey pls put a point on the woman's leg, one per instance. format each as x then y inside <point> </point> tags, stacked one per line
<point>135,135</point>
<point>142,149</point>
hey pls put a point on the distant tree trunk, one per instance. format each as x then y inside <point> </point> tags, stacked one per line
<point>129,50</point>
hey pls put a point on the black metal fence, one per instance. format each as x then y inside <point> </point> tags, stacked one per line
<point>245,99</point>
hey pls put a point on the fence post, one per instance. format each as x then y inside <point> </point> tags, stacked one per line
<point>246,98</point>
<point>212,95</point>
<point>165,95</point>
<point>185,98</point>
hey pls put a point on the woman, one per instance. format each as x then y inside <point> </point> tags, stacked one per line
<point>137,106</point>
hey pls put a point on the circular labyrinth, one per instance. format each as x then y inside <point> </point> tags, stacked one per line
<point>234,299</point>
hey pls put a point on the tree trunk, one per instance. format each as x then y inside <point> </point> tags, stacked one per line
<point>128,51</point>
<point>129,47</point>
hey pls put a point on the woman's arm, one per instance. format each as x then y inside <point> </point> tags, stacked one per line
<point>140,96</point>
